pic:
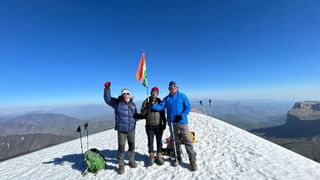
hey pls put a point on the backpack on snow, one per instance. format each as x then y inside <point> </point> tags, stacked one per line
<point>94,161</point>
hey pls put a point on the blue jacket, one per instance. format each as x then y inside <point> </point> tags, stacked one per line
<point>125,120</point>
<point>176,104</point>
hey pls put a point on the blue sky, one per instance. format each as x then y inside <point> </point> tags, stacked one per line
<point>62,51</point>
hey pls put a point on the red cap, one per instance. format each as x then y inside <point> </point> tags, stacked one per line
<point>155,89</point>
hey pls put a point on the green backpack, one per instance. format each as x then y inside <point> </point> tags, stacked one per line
<point>94,161</point>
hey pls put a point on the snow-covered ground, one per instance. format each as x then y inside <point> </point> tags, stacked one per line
<point>224,152</point>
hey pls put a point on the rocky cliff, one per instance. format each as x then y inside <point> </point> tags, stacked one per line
<point>305,111</point>
<point>303,120</point>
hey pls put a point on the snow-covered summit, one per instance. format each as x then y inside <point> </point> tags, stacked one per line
<point>224,152</point>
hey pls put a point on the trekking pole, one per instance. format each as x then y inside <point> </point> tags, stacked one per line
<point>210,105</point>
<point>86,128</point>
<point>174,142</point>
<point>79,131</point>
<point>203,107</point>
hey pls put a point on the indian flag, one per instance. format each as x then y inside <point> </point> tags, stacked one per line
<point>141,74</point>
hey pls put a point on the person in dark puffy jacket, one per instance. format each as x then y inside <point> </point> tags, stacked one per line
<point>125,123</point>
<point>155,125</point>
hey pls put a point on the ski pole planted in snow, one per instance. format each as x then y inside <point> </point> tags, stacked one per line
<point>79,131</point>
<point>203,107</point>
<point>174,142</point>
<point>86,128</point>
<point>210,106</point>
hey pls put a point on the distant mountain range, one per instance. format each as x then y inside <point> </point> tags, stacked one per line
<point>303,120</point>
<point>23,134</point>
<point>43,123</point>
<point>83,112</point>
<point>11,146</point>
<point>247,115</point>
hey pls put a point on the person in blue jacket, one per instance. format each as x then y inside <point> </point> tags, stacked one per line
<point>125,123</point>
<point>178,107</point>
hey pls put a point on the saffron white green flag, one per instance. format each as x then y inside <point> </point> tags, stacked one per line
<point>141,74</point>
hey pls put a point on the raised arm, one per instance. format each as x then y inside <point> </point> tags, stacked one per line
<point>107,96</point>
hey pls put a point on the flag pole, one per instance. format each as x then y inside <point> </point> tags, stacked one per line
<point>147,86</point>
<point>147,91</point>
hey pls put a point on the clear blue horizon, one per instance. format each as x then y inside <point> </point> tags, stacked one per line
<point>62,51</point>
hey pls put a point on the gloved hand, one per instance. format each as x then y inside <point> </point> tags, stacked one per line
<point>177,119</point>
<point>138,116</point>
<point>107,84</point>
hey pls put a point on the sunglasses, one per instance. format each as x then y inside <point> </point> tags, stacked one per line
<point>125,94</point>
<point>172,87</point>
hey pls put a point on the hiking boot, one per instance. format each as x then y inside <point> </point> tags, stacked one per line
<point>133,164</point>
<point>121,169</point>
<point>151,159</point>
<point>194,166</point>
<point>159,159</point>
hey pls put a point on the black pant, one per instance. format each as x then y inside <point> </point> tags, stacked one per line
<point>158,132</point>
<point>122,138</point>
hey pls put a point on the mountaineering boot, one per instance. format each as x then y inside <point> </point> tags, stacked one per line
<point>159,159</point>
<point>121,169</point>
<point>132,162</point>
<point>151,159</point>
<point>194,166</point>
<point>121,165</point>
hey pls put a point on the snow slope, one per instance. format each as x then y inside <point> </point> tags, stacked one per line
<point>224,152</point>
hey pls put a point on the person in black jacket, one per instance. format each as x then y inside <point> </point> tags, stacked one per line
<point>155,125</point>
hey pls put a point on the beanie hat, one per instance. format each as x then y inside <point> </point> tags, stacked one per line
<point>172,83</point>
<point>155,89</point>
<point>125,90</point>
